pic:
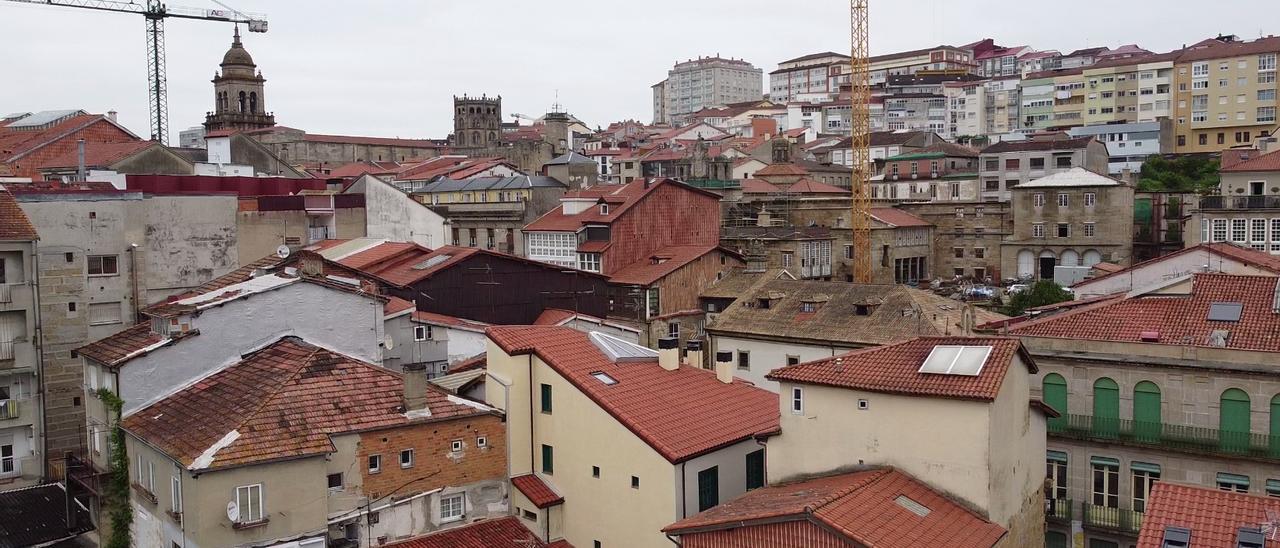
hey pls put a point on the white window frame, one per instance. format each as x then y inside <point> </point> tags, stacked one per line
<point>482,442</point>
<point>421,332</point>
<point>175,494</point>
<point>1063,199</point>
<point>455,446</point>
<point>1037,230</point>
<point>1090,229</point>
<point>1090,199</point>
<point>453,507</point>
<point>375,466</point>
<point>408,452</point>
<point>1037,200</point>
<point>101,273</point>
<point>1239,230</point>
<point>1257,230</point>
<point>1110,495</point>
<point>1220,230</point>
<point>797,400</point>
<point>250,513</point>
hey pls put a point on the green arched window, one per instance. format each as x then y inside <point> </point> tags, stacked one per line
<point>1233,420</point>
<point>1274,445</point>
<point>1146,412</point>
<point>1106,407</point>
<point>1055,394</point>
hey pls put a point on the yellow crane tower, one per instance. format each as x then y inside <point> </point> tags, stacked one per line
<point>860,131</point>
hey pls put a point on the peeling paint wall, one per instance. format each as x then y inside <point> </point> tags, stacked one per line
<point>394,215</point>
<point>344,322</point>
<point>189,240</point>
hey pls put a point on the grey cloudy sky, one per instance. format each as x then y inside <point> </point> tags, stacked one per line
<point>389,68</point>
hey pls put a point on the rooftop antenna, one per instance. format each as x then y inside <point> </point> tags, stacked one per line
<point>1271,527</point>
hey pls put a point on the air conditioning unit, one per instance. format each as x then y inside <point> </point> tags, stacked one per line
<point>933,174</point>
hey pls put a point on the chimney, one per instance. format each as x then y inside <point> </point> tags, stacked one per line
<point>724,366</point>
<point>669,353</point>
<point>693,356</point>
<point>415,386</point>
<point>1126,175</point>
<point>111,115</point>
<point>80,171</point>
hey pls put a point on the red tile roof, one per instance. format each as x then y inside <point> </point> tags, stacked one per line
<point>672,258</point>
<point>620,197</point>
<point>99,154</point>
<point>1031,145</point>
<point>122,346</point>
<point>16,143</point>
<point>376,141</point>
<point>1175,319</point>
<point>681,414</point>
<point>758,186</point>
<point>475,362</point>
<point>448,321</point>
<point>503,532</point>
<point>537,491</point>
<point>1253,162</point>
<point>895,369</point>
<point>396,305</point>
<point>781,169</point>
<point>281,402</point>
<point>1213,516</point>
<point>356,169</point>
<point>897,217</point>
<point>862,507</point>
<point>14,223</point>
<point>554,316</point>
<point>810,186</point>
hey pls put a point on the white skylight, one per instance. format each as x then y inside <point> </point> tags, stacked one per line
<point>619,350</point>
<point>956,360</point>
<point>604,378</point>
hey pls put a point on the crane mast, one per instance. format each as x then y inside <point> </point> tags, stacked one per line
<point>860,133</point>
<point>155,12</point>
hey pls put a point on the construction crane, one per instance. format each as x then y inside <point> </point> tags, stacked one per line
<point>155,13</point>
<point>860,132</point>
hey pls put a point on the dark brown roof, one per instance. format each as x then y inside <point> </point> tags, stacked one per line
<point>1232,49</point>
<point>281,402</point>
<point>1038,145</point>
<point>14,224</point>
<point>122,346</point>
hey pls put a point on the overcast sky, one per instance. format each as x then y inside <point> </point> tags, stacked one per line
<point>389,68</point>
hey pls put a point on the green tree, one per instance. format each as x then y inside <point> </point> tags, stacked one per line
<point>1181,174</point>
<point>1040,293</point>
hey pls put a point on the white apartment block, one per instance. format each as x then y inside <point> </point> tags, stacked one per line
<point>705,82</point>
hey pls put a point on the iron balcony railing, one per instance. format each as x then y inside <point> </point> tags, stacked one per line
<point>1058,510</point>
<point>1240,202</point>
<point>1111,519</point>
<point>1173,436</point>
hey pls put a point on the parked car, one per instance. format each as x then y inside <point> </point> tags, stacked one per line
<point>980,292</point>
<point>1016,289</point>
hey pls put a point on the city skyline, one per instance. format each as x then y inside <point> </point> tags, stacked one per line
<point>374,77</point>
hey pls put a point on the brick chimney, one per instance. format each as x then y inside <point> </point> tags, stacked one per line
<point>415,387</point>
<point>724,366</point>
<point>669,353</point>
<point>693,356</point>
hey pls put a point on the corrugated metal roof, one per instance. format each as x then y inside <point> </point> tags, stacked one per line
<point>43,117</point>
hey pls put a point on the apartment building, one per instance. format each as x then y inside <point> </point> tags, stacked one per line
<point>957,413</point>
<point>1226,94</point>
<point>24,448</point>
<point>1130,143</point>
<point>815,75</point>
<point>1075,218</point>
<point>1166,383</point>
<point>1001,61</point>
<point>706,81</point>
<point>981,108</point>
<point>938,172</point>
<point>680,438</point>
<point>1007,164</point>
<point>1246,210</point>
<point>916,101</point>
<point>490,212</point>
<point>295,441</point>
<point>1036,109</point>
<point>939,58</point>
<point>1131,89</point>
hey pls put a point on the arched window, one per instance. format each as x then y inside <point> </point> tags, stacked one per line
<point>1233,420</point>
<point>253,102</point>
<point>1106,407</point>
<point>1146,412</point>
<point>1274,446</point>
<point>242,102</point>
<point>1055,394</point>
<point>493,137</point>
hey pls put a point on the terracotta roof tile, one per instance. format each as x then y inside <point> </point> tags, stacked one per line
<point>280,402</point>
<point>810,186</point>
<point>448,321</point>
<point>781,169</point>
<point>503,532</point>
<point>861,506</point>
<point>1031,145</point>
<point>123,346</point>
<point>477,361</point>
<point>396,305</point>
<point>1177,319</point>
<point>537,491</point>
<point>897,217</point>
<point>621,198</point>
<point>99,154</point>
<point>1213,516</point>
<point>14,223</point>
<point>681,414</point>
<point>895,369</point>
<point>672,258</point>
<point>1254,162</point>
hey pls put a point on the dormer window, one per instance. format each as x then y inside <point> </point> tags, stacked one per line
<point>604,209</point>
<point>862,310</point>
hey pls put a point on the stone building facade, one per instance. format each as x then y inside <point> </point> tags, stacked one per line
<point>966,236</point>
<point>1007,164</point>
<point>1076,218</point>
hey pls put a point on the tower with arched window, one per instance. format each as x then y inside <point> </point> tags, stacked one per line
<point>239,94</point>
<point>477,121</point>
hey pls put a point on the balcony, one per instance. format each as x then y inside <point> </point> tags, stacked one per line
<point>1058,510</point>
<point>1177,437</point>
<point>1117,520</point>
<point>1240,202</point>
<point>317,233</point>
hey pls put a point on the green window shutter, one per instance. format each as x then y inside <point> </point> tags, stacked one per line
<point>1106,407</point>
<point>1055,539</point>
<point>708,488</point>
<point>548,460</point>
<point>546,398</point>
<point>1104,461</point>
<point>1233,479</point>
<point>1055,395</point>
<point>1233,420</point>
<point>1273,443</point>
<point>1146,412</point>
<point>755,469</point>
<point>1273,487</point>
<point>1145,467</point>
<point>1056,456</point>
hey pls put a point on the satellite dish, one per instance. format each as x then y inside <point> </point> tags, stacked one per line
<point>282,251</point>
<point>233,511</point>
<point>388,342</point>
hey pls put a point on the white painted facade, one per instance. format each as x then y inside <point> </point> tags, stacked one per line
<point>1164,270</point>
<point>766,355</point>
<point>393,215</point>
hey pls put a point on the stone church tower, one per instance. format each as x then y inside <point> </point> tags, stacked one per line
<point>477,121</point>
<point>239,98</point>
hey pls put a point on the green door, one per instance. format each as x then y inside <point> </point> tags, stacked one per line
<point>1274,441</point>
<point>708,488</point>
<point>1055,539</point>
<point>1106,408</point>
<point>1055,394</point>
<point>1146,412</point>
<point>1233,421</point>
